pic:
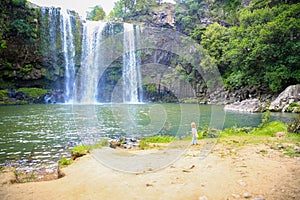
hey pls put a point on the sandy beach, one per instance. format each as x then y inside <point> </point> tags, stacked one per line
<point>253,171</point>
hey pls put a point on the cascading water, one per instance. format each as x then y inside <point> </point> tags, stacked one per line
<point>69,54</point>
<point>58,35</point>
<point>89,85</point>
<point>89,72</point>
<point>131,67</point>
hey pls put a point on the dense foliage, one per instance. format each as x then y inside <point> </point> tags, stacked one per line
<point>19,38</point>
<point>124,9</point>
<point>253,45</point>
<point>96,14</point>
<point>254,42</point>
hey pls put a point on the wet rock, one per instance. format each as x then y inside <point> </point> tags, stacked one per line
<point>248,105</point>
<point>290,95</point>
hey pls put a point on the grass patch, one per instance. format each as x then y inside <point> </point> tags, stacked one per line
<point>236,131</point>
<point>150,142</point>
<point>79,151</point>
<point>270,129</point>
<point>84,149</point>
<point>63,162</point>
<point>291,151</point>
<point>24,177</point>
<point>159,139</point>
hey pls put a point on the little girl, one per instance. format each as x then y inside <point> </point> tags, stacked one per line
<point>195,134</point>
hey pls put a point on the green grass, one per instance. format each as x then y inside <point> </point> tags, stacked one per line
<point>79,151</point>
<point>270,129</point>
<point>82,150</point>
<point>150,142</point>
<point>24,177</point>
<point>159,139</point>
<point>63,162</point>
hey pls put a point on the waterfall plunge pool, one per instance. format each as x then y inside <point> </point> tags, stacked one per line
<point>39,135</point>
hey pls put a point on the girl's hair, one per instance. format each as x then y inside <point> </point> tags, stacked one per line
<point>193,124</point>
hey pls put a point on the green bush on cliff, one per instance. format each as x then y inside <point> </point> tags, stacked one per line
<point>33,92</point>
<point>3,93</point>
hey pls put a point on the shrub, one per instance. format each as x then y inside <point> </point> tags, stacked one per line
<point>208,132</point>
<point>294,126</point>
<point>265,118</point>
<point>3,93</point>
<point>293,107</point>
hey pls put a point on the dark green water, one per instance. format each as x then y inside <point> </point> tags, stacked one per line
<point>34,135</point>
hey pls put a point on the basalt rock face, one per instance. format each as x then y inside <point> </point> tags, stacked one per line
<point>164,17</point>
<point>28,58</point>
<point>287,101</point>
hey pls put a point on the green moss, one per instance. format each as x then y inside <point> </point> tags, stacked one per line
<point>33,92</point>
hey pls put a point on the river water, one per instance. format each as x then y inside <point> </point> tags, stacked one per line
<point>38,135</point>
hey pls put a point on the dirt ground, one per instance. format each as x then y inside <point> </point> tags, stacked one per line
<point>253,171</point>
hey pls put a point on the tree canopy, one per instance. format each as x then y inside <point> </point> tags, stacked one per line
<point>96,14</point>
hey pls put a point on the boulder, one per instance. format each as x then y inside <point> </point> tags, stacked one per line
<point>291,95</point>
<point>248,105</point>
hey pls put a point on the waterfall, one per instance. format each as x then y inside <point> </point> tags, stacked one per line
<point>131,67</point>
<point>89,85</point>
<point>89,72</point>
<point>69,54</point>
<point>59,43</point>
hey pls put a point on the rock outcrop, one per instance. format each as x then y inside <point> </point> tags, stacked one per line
<point>248,105</point>
<point>288,100</point>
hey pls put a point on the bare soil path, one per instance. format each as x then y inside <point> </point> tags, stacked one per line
<point>247,172</point>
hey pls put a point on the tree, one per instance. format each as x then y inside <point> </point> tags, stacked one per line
<point>264,49</point>
<point>96,14</point>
